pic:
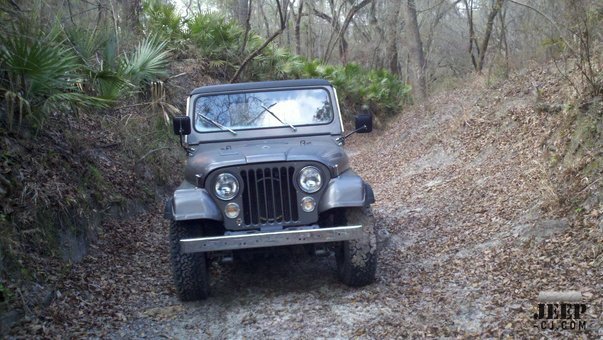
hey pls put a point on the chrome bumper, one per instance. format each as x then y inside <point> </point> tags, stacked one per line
<point>270,239</point>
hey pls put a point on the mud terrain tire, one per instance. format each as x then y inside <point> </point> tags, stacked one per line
<point>357,259</point>
<point>189,271</point>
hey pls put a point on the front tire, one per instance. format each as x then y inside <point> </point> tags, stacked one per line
<point>189,271</point>
<point>357,259</point>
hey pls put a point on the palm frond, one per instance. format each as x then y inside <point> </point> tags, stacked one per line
<point>78,99</point>
<point>43,73</point>
<point>148,62</point>
<point>163,20</point>
<point>110,85</point>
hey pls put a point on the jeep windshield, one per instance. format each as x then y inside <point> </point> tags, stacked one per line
<point>262,109</point>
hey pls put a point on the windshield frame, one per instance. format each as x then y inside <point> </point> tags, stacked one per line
<point>318,87</point>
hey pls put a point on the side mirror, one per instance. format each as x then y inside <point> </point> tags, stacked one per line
<point>182,125</point>
<point>364,122</point>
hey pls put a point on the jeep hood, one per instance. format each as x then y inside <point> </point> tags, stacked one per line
<point>209,157</point>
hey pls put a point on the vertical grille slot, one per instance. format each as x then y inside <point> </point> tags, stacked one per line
<point>269,196</point>
<point>292,195</point>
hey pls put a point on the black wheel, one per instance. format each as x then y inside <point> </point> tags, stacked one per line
<point>357,259</point>
<point>189,271</point>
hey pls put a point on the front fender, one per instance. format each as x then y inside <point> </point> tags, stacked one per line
<point>347,190</point>
<point>192,203</point>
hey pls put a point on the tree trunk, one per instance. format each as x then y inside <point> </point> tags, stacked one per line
<point>343,29</point>
<point>472,38</point>
<point>247,27</point>
<point>486,40</point>
<point>415,45</point>
<point>241,11</point>
<point>441,11</point>
<point>343,50</point>
<point>310,38</point>
<point>132,9</point>
<point>266,24</point>
<point>297,27</point>
<point>377,36</point>
<point>504,46</point>
<point>391,38</point>
<point>283,25</point>
<point>333,21</point>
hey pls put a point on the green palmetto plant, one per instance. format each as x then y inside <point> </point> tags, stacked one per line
<point>163,21</point>
<point>97,51</point>
<point>147,63</point>
<point>64,70</point>
<point>112,76</point>
<point>40,74</point>
<point>277,63</point>
<point>145,67</point>
<point>290,67</point>
<point>381,90</point>
<point>215,37</point>
<point>310,69</point>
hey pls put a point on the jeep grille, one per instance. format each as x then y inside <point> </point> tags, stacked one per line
<point>269,196</point>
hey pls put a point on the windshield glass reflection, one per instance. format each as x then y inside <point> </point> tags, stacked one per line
<point>252,110</point>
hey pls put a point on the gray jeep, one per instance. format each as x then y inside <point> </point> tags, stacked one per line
<point>265,169</point>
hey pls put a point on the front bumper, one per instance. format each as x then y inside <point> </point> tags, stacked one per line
<point>270,239</point>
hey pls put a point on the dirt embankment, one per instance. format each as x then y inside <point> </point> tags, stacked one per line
<point>479,209</point>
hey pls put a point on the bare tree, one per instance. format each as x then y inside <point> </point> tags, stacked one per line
<point>503,45</point>
<point>297,30</point>
<point>337,37</point>
<point>283,25</point>
<point>132,9</point>
<point>478,60</point>
<point>439,12</point>
<point>455,39</point>
<point>376,25</point>
<point>247,27</point>
<point>242,8</point>
<point>416,57</point>
<point>265,18</point>
<point>392,37</point>
<point>342,30</point>
<point>333,20</point>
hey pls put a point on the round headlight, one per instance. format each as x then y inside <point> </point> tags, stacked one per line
<point>310,179</point>
<point>227,186</point>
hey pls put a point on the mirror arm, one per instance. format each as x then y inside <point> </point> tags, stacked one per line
<point>341,140</point>
<point>186,148</point>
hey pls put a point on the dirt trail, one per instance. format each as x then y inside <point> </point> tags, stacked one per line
<point>466,214</point>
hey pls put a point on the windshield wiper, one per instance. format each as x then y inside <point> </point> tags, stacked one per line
<point>216,124</point>
<point>267,109</point>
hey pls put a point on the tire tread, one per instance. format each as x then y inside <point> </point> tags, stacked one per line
<point>189,271</point>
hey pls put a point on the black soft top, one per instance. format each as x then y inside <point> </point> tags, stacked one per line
<point>260,85</point>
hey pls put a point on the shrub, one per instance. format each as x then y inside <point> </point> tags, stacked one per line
<point>40,74</point>
<point>163,21</point>
<point>66,70</point>
<point>215,37</point>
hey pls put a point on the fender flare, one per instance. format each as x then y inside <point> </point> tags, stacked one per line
<point>347,190</point>
<point>191,203</point>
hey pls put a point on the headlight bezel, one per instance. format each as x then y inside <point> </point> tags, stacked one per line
<point>222,178</point>
<point>302,174</point>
